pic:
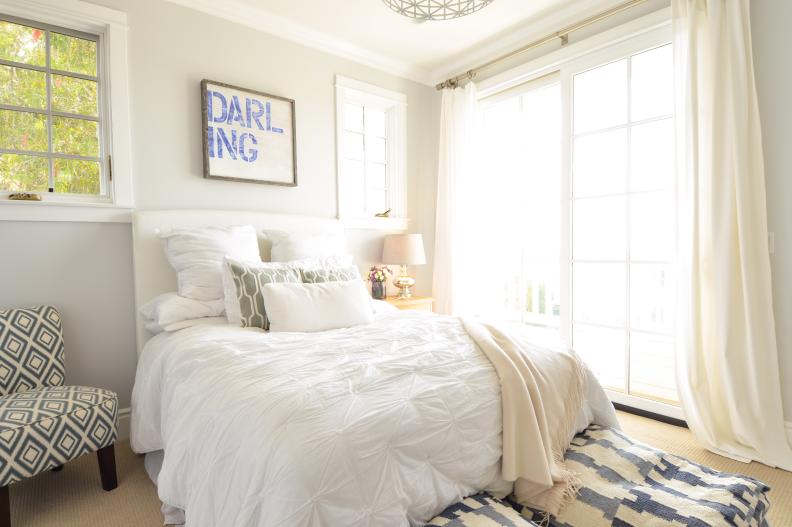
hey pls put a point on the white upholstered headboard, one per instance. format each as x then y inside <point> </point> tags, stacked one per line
<point>153,273</point>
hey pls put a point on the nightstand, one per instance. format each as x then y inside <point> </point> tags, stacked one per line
<point>415,303</point>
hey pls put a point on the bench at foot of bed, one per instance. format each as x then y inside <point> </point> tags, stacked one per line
<point>629,484</point>
<point>481,510</point>
<point>626,483</point>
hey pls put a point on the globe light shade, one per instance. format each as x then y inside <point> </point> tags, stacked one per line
<point>436,9</point>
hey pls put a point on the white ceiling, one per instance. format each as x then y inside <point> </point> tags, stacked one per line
<point>369,32</point>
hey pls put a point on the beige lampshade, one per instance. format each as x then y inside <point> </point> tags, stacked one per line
<point>403,249</point>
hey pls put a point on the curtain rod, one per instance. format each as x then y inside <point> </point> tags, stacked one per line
<point>562,34</point>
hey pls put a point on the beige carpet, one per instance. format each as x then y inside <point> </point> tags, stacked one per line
<point>74,496</point>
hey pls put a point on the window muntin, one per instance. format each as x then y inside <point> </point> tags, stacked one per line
<point>50,106</point>
<point>623,223</point>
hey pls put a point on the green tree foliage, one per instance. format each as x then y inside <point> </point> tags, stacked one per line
<point>21,87</point>
<point>75,136</point>
<point>73,54</point>
<point>24,173</point>
<point>25,131</point>
<point>22,44</point>
<point>76,177</point>
<point>73,95</point>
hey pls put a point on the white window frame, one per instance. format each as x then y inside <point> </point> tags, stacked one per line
<point>111,28</point>
<point>627,48</point>
<point>351,91</point>
<point>643,33</point>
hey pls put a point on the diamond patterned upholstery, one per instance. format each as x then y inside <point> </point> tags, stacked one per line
<point>44,424</point>
<point>31,349</point>
<point>45,428</point>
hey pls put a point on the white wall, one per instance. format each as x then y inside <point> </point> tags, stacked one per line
<point>86,268</point>
<point>773,62</point>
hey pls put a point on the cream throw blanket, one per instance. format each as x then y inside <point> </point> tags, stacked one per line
<point>541,395</point>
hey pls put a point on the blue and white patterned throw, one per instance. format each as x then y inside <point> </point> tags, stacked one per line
<point>626,483</point>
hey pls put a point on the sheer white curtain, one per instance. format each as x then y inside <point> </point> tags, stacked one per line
<point>455,169</point>
<point>728,372</point>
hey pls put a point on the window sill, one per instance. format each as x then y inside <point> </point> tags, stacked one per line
<point>382,224</point>
<point>74,211</point>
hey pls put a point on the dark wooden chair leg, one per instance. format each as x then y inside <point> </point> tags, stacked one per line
<point>107,467</point>
<point>5,508</point>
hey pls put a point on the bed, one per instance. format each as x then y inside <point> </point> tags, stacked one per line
<point>382,424</point>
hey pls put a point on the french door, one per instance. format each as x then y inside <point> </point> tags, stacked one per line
<point>576,215</point>
<point>619,203</point>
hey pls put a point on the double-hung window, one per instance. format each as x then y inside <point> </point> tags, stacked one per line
<point>65,128</point>
<point>371,138</point>
<point>52,134</point>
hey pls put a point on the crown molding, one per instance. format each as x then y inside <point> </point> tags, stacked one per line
<point>261,20</point>
<point>542,24</point>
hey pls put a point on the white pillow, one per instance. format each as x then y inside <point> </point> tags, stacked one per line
<point>381,307</point>
<point>184,324</point>
<point>317,307</point>
<point>287,247</point>
<point>168,309</point>
<point>197,256</point>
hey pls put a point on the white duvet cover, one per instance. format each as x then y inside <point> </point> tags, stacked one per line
<point>379,425</point>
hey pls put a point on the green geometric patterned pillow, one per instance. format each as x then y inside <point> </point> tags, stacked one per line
<point>332,274</point>
<point>249,279</point>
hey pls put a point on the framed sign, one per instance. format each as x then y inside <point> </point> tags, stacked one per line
<point>248,135</point>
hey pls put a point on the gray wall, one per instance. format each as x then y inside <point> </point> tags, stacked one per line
<point>86,268</point>
<point>773,62</point>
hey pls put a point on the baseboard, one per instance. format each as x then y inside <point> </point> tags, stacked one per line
<point>123,423</point>
<point>657,417</point>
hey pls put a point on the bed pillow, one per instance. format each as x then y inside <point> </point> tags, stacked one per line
<point>197,256</point>
<point>243,282</point>
<point>314,275</point>
<point>170,310</point>
<point>382,307</point>
<point>184,324</point>
<point>317,307</point>
<point>287,247</point>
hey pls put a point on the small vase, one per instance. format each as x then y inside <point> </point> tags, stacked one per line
<point>378,290</point>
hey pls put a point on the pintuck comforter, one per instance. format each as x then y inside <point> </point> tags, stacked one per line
<point>379,425</point>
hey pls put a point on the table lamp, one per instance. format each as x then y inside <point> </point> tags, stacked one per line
<point>404,250</point>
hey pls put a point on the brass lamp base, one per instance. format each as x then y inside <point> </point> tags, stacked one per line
<point>404,283</point>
